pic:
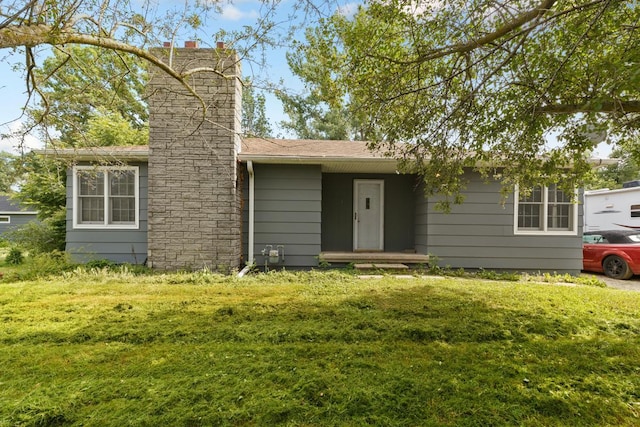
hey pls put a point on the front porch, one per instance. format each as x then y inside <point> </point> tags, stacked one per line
<point>373,257</point>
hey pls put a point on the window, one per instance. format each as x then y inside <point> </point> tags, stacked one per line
<point>635,211</point>
<point>545,210</point>
<point>105,197</point>
<point>593,239</point>
<point>5,219</point>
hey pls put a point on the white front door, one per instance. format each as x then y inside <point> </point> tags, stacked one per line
<point>368,215</point>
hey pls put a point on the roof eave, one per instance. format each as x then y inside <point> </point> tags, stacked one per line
<point>329,163</point>
<point>93,154</point>
<point>18,213</point>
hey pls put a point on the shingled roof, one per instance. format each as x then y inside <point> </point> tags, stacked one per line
<point>7,205</point>
<point>332,156</point>
<point>307,148</point>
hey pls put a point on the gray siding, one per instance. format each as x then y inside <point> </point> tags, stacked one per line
<point>16,220</point>
<point>479,234</point>
<point>337,211</point>
<point>122,245</point>
<point>287,212</point>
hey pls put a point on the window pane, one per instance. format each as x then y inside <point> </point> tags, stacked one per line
<point>122,200</point>
<point>122,183</point>
<point>635,211</point>
<point>534,197</point>
<point>559,216</point>
<point>529,216</point>
<point>91,183</point>
<point>557,195</point>
<point>559,211</point>
<point>123,209</point>
<point>91,209</point>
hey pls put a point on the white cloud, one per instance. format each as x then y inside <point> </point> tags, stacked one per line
<point>348,9</point>
<point>15,143</point>
<point>428,7</point>
<point>232,13</point>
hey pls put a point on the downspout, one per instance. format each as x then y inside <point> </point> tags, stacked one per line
<point>252,193</point>
<point>250,261</point>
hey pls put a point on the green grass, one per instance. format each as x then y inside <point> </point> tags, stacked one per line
<point>315,349</point>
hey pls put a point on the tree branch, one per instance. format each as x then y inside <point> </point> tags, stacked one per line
<point>604,107</point>
<point>15,16</point>
<point>525,17</point>
<point>33,35</point>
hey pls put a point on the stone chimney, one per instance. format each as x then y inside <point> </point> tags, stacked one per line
<point>194,196</point>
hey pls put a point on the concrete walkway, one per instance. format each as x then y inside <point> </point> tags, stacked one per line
<point>632,284</point>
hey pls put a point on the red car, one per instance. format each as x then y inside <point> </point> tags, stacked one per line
<point>615,253</point>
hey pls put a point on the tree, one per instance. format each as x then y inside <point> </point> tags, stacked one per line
<point>91,97</point>
<point>613,176</point>
<point>254,113</point>
<point>311,116</point>
<point>7,172</point>
<point>43,189</point>
<point>485,83</point>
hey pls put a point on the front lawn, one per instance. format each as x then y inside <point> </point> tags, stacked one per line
<point>315,349</point>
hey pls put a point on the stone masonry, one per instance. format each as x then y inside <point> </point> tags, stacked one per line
<point>194,200</point>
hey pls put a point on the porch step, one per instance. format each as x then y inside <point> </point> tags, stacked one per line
<point>380,267</point>
<point>374,257</point>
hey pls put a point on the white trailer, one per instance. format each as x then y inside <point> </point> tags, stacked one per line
<point>613,209</point>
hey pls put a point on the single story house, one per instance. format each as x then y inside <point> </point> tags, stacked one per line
<point>13,215</point>
<point>201,196</point>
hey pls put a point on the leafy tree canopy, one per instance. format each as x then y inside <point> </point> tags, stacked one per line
<point>254,113</point>
<point>91,96</point>
<point>312,118</point>
<point>7,172</point>
<point>519,89</point>
<point>613,176</point>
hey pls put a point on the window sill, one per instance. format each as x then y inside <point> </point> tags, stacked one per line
<point>545,233</point>
<point>106,227</point>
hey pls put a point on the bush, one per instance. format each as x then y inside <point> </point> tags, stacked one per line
<point>100,264</point>
<point>14,257</point>
<point>42,265</point>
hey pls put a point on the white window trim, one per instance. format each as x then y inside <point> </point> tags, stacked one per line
<point>545,204</point>
<point>7,217</point>
<point>106,225</point>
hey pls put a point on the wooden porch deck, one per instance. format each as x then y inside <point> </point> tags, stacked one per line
<point>373,257</point>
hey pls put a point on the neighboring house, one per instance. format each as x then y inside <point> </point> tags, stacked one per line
<point>199,196</point>
<point>13,215</point>
<point>613,209</point>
